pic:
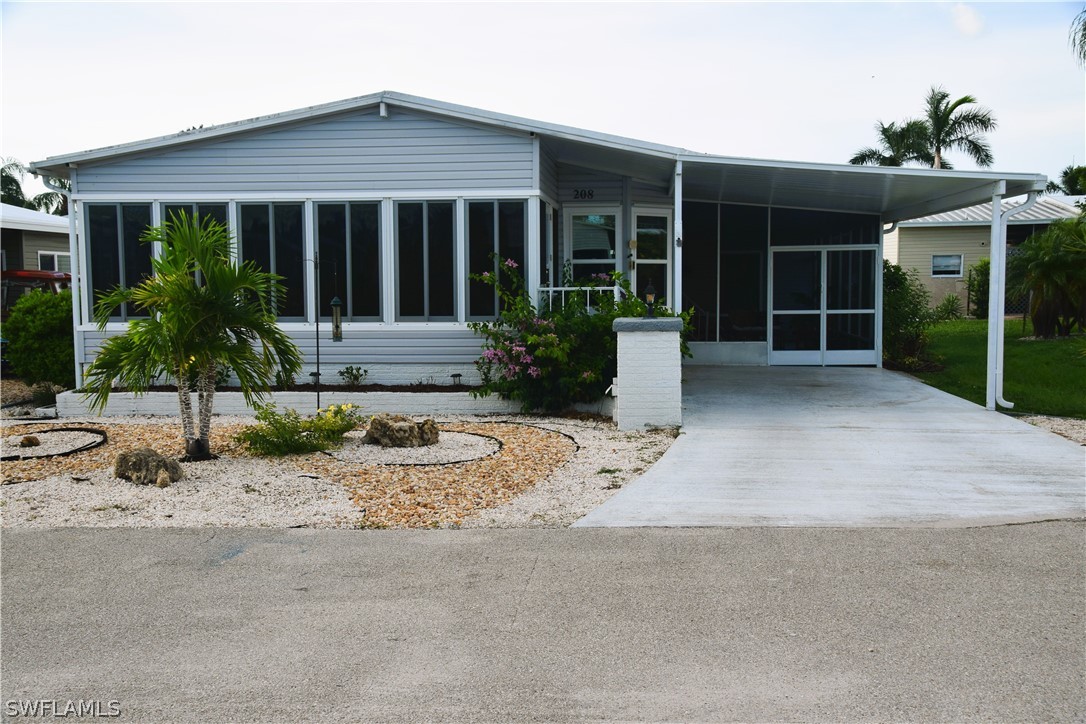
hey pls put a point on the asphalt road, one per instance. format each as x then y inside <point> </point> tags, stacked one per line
<point>762,624</point>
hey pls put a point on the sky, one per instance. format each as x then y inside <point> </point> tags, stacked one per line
<point>798,81</point>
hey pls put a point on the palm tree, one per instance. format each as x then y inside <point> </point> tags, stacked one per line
<point>1078,36</point>
<point>899,145</point>
<point>1072,182</point>
<point>1052,266</point>
<point>51,202</point>
<point>203,312</point>
<point>951,126</point>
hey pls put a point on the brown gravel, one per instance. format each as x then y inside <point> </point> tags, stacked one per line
<point>122,437</point>
<point>443,495</point>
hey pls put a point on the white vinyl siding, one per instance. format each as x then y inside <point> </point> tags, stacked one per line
<point>358,151</point>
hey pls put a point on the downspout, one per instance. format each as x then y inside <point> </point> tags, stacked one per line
<point>997,293</point>
<point>73,250</point>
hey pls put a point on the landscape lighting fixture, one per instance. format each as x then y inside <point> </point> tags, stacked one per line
<point>650,300</point>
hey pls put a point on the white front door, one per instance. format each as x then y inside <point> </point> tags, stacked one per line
<point>650,254</point>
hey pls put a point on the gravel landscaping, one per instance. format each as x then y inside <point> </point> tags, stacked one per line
<point>493,471</point>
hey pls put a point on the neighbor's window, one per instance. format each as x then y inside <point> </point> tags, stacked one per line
<point>271,236</point>
<point>60,261</point>
<point>116,255</point>
<point>425,261</point>
<point>496,233</point>
<point>946,265</point>
<point>349,244</point>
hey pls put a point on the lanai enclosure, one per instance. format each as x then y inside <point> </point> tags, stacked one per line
<point>401,197</point>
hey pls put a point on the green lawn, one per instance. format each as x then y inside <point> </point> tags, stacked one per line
<point>1046,377</point>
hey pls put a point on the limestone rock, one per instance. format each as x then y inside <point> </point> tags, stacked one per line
<point>399,431</point>
<point>29,441</point>
<point>145,467</point>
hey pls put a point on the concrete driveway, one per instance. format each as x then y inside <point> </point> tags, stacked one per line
<point>809,446</point>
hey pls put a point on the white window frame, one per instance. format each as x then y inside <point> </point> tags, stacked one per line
<point>961,266</point>
<point>571,210</point>
<point>56,259</point>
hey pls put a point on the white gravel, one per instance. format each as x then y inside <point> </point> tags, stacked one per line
<point>1068,427</point>
<point>259,492</point>
<point>51,443</point>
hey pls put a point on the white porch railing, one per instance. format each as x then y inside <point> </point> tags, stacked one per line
<point>548,294</point>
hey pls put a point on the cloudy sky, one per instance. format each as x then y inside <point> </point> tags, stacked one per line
<point>800,81</point>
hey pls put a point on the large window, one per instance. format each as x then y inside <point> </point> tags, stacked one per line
<point>349,248</point>
<point>117,257</point>
<point>271,236</point>
<point>425,260</point>
<point>496,234</point>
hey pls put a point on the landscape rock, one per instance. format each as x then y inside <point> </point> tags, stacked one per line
<point>29,441</point>
<point>399,431</point>
<point>144,466</point>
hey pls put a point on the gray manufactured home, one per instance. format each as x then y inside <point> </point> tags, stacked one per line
<point>401,198</point>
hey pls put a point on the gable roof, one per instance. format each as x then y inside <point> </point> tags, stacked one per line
<point>1045,211</point>
<point>894,193</point>
<point>16,217</point>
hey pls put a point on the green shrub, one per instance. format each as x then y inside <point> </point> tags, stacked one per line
<point>288,433</point>
<point>905,314</point>
<point>550,358</point>
<point>949,308</point>
<point>353,376</point>
<point>1051,266</point>
<point>41,344</point>
<point>977,288</point>
<point>45,393</point>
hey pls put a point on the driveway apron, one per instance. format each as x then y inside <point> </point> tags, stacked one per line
<point>852,447</point>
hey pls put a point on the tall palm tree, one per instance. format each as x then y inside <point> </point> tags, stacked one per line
<point>1078,36</point>
<point>898,145</point>
<point>12,176</point>
<point>1072,182</point>
<point>952,126</point>
<point>203,312</point>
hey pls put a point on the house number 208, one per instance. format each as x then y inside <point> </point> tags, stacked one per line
<point>583,194</point>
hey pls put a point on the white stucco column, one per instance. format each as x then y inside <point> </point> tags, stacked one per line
<point>649,384</point>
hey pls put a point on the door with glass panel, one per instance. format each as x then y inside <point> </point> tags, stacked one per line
<point>824,306</point>
<point>594,235</point>
<point>651,254</point>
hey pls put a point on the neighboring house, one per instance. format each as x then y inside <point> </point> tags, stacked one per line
<point>403,197</point>
<point>942,247</point>
<point>33,240</point>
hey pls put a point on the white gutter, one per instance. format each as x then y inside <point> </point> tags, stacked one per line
<point>73,249</point>
<point>997,289</point>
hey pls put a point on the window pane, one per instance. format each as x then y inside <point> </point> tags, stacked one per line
<point>594,236</point>
<point>943,265</point>
<point>215,211</point>
<point>850,331</point>
<point>136,218</point>
<point>254,235</point>
<point>47,262</point>
<point>799,227</point>
<point>850,279</point>
<point>511,233</point>
<point>332,254</point>
<point>290,259</point>
<point>744,240</point>
<point>169,211</point>
<point>480,257</point>
<point>651,237</point>
<point>410,272</point>
<point>797,282</point>
<point>365,261</point>
<point>796,332</point>
<point>105,259</point>
<point>64,263</point>
<point>442,268</point>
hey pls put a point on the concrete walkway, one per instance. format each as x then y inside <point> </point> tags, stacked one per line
<point>807,446</point>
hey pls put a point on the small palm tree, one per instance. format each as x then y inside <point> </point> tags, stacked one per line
<point>203,312</point>
<point>898,145</point>
<point>11,178</point>
<point>1051,265</point>
<point>952,126</point>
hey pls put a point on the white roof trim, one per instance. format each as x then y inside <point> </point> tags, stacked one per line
<point>16,217</point>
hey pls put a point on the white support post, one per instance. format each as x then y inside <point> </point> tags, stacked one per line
<point>77,288</point>
<point>532,269</point>
<point>388,260</point>
<point>998,250</point>
<point>676,302</point>
<point>309,235</point>
<point>461,260</point>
